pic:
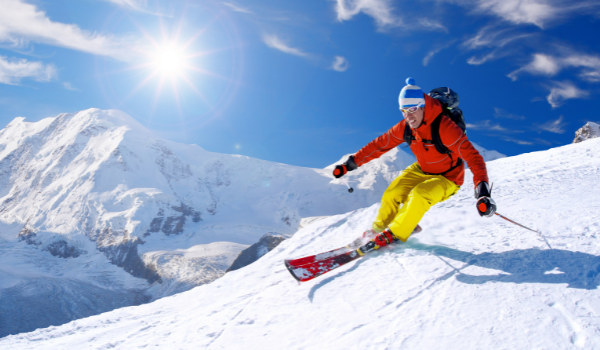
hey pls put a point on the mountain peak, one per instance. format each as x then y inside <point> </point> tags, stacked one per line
<point>586,132</point>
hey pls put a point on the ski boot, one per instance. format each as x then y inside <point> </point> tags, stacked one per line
<point>381,240</point>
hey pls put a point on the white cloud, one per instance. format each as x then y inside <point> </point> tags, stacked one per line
<point>380,10</point>
<point>592,76</point>
<point>275,42</point>
<point>12,71</point>
<point>561,91</point>
<point>69,86</point>
<point>431,24</point>
<point>477,60</point>
<point>537,12</point>
<point>340,64</point>
<point>237,8</point>
<point>500,113</point>
<point>487,125</point>
<point>555,126</point>
<point>133,4</point>
<point>520,142</point>
<point>541,13</point>
<point>21,22</point>
<point>491,37</point>
<point>543,64</point>
<point>435,51</point>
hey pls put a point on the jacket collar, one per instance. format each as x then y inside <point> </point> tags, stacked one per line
<point>433,108</point>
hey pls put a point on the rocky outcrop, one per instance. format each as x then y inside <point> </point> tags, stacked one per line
<point>125,255</point>
<point>59,248</point>
<point>64,250</point>
<point>266,243</point>
<point>173,225</point>
<point>588,131</point>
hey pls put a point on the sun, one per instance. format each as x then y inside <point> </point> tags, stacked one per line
<point>169,60</point>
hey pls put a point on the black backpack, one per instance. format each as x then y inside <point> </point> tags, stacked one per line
<point>449,101</point>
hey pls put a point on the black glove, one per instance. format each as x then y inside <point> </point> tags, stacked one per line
<point>342,169</point>
<point>485,204</point>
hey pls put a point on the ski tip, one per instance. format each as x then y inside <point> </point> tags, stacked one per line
<point>289,268</point>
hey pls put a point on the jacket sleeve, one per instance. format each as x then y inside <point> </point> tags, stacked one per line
<point>453,137</point>
<point>381,145</point>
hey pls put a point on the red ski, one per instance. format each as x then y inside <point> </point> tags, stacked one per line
<point>308,271</point>
<point>306,268</point>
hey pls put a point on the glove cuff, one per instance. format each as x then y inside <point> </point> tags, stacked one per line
<point>350,164</point>
<point>482,190</point>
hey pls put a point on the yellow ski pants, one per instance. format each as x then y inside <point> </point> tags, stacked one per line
<point>408,198</point>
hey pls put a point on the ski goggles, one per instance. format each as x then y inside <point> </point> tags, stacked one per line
<point>412,109</point>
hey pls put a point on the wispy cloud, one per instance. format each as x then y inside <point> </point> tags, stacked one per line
<point>537,12</point>
<point>69,86</point>
<point>496,39</point>
<point>491,36</point>
<point>541,65</point>
<point>500,113</point>
<point>12,71</point>
<point>561,91</point>
<point>435,51</point>
<point>384,15</point>
<point>540,13</point>
<point>380,10</point>
<point>133,4</point>
<point>555,126</point>
<point>550,65</point>
<point>340,64</point>
<point>237,8</point>
<point>273,41</point>
<point>488,125</point>
<point>431,24</point>
<point>520,142</point>
<point>21,23</point>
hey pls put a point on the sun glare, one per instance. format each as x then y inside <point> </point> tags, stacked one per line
<point>169,61</point>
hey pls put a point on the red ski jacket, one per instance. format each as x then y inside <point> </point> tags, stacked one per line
<point>430,160</point>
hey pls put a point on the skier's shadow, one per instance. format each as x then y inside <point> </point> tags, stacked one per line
<point>578,270</point>
<point>313,290</point>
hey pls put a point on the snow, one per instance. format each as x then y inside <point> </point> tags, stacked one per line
<point>93,202</point>
<point>464,282</point>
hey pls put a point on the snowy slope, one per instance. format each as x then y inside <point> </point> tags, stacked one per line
<point>465,282</point>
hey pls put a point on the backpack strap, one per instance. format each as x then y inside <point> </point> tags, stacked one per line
<point>408,136</point>
<point>435,135</point>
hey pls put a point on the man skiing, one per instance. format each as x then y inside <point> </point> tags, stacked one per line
<point>435,176</point>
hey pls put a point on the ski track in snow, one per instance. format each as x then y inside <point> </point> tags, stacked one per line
<point>465,282</point>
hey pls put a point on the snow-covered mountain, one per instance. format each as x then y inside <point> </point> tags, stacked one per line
<point>588,131</point>
<point>97,213</point>
<point>465,282</point>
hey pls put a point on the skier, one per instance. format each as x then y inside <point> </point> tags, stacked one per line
<point>435,176</point>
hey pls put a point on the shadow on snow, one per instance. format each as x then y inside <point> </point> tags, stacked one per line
<point>578,270</point>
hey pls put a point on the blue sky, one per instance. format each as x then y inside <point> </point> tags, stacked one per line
<point>304,82</point>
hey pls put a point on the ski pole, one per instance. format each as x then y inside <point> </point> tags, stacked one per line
<point>525,227</point>
<point>350,189</point>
